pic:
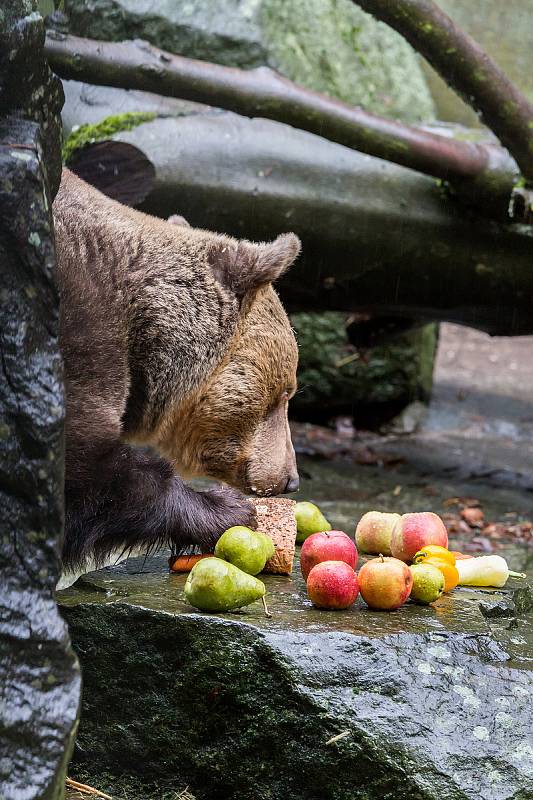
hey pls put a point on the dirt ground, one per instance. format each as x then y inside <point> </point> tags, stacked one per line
<point>480,420</point>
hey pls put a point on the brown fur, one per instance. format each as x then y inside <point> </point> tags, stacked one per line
<point>172,337</point>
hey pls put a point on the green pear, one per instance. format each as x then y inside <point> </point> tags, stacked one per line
<point>309,519</point>
<point>428,583</point>
<point>246,549</point>
<point>216,585</point>
<point>268,543</point>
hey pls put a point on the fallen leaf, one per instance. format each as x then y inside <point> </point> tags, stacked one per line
<point>473,516</point>
<point>451,501</point>
<point>469,502</point>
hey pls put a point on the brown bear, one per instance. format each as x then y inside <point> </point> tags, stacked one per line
<point>179,358</point>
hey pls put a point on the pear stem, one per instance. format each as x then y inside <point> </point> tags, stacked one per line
<point>512,574</point>
<point>267,612</point>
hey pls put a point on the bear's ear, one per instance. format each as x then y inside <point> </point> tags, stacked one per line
<point>249,266</point>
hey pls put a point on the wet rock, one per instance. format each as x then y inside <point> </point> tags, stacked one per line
<point>27,86</point>
<point>327,45</point>
<point>39,676</point>
<point>240,706</point>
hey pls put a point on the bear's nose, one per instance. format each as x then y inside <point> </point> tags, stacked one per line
<point>293,484</point>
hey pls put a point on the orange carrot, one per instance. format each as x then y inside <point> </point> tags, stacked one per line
<point>186,563</point>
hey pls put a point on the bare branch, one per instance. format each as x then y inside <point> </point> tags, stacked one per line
<point>467,68</point>
<point>484,173</point>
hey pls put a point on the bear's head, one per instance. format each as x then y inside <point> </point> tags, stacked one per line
<point>234,426</point>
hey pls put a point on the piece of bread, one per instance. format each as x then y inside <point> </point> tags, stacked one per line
<point>275,517</point>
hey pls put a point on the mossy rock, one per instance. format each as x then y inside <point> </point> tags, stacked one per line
<point>336,378</point>
<point>330,46</point>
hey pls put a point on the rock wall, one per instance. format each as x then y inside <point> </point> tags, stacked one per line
<point>39,676</point>
<point>505,30</point>
<point>327,45</point>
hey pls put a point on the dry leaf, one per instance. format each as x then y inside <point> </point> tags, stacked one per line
<point>474,516</point>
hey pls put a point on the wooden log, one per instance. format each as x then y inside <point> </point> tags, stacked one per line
<point>377,238</point>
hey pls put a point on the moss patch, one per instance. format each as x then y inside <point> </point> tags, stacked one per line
<point>89,134</point>
<point>334,377</point>
<point>338,49</point>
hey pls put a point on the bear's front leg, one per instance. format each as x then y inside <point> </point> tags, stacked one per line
<point>133,501</point>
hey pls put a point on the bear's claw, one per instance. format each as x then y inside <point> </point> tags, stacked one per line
<point>223,508</point>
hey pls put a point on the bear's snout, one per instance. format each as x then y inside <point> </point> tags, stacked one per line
<point>293,484</point>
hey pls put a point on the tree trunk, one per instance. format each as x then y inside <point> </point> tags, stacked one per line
<point>377,237</point>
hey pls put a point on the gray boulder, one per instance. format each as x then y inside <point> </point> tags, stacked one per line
<point>330,46</point>
<point>422,703</point>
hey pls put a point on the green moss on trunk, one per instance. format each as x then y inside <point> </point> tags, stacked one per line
<point>89,134</point>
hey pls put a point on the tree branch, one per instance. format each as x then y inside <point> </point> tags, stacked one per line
<point>467,68</point>
<point>484,173</point>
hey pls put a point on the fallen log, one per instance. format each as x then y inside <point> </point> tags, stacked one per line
<point>377,237</point>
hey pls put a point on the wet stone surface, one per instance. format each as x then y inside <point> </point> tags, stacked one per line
<point>433,702</point>
<point>39,675</point>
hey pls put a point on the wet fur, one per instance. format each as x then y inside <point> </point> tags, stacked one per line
<point>159,324</point>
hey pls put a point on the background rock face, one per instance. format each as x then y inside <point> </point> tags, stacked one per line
<point>39,677</point>
<point>327,45</point>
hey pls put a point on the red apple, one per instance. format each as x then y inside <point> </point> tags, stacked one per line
<point>385,583</point>
<point>412,532</point>
<point>374,531</point>
<point>327,546</point>
<point>332,584</point>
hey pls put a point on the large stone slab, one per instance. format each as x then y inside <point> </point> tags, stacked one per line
<point>426,702</point>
